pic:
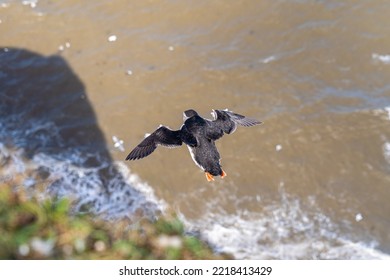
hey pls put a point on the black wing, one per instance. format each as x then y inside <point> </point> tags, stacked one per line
<point>162,136</point>
<point>187,137</point>
<point>226,122</point>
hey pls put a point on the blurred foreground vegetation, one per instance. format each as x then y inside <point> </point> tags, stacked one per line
<point>33,229</point>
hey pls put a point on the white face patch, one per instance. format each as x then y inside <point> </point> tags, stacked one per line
<point>184,117</point>
<point>214,114</point>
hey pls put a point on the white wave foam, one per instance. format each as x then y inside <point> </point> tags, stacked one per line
<point>268,59</point>
<point>110,190</point>
<point>261,239</point>
<point>283,230</point>
<point>383,58</point>
<point>387,109</point>
<point>386,151</point>
<point>384,113</point>
<point>31,3</point>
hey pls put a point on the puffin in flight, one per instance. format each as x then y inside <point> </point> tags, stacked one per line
<point>199,135</point>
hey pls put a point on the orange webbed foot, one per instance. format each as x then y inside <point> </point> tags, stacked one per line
<point>223,175</point>
<point>209,177</point>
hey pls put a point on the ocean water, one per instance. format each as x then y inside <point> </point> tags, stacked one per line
<point>81,84</point>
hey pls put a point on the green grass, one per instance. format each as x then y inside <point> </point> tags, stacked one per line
<point>32,229</point>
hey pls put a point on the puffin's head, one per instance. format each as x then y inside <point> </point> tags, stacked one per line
<point>189,114</point>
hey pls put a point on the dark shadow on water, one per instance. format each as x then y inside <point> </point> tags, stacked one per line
<point>45,112</point>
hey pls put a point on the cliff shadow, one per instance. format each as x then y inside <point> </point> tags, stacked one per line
<point>46,116</point>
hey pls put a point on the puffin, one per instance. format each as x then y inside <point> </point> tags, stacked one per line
<point>199,134</point>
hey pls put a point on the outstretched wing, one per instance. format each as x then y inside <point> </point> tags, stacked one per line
<point>226,122</point>
<point>162,136</point>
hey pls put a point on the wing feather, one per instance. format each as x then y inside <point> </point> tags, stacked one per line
<point>162,136</point>
<point>226,122</point>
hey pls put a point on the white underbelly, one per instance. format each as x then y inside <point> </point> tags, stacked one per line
<point>193,157</point>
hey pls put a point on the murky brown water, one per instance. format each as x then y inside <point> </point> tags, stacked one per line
<point>313,181</point>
